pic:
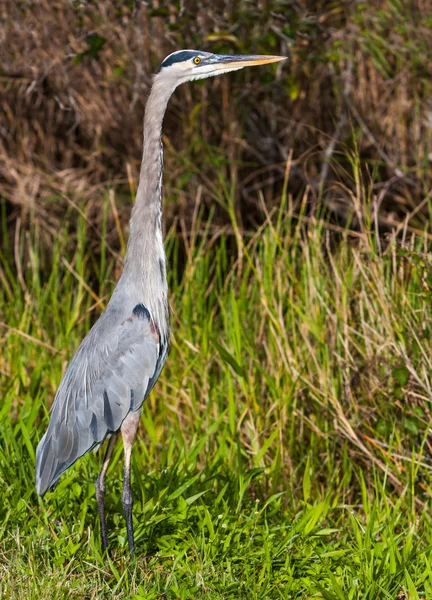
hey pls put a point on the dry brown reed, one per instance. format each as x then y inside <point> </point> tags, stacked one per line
<point>75,76</point>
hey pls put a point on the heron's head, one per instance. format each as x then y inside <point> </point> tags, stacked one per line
<point>187,65</point>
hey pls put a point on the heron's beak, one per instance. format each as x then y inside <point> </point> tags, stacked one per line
<point>233,61</point>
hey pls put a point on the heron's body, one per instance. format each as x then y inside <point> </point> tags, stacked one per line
<point>120,360</point>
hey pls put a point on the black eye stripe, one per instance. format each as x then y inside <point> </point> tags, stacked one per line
<point>179,57</point>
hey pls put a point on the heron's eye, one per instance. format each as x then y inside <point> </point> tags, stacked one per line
<point>197,60</point>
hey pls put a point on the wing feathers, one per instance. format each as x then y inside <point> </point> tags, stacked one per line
<point>108,416</point>
<point>110,374</point>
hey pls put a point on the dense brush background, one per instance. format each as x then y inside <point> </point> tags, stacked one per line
<point>75,78</point>
<point>285,452</point>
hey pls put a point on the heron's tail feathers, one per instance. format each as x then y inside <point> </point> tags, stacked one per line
<point>46,466</point>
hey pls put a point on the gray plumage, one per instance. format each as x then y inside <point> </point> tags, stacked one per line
<point>109,376</point>
<point>121,358</point>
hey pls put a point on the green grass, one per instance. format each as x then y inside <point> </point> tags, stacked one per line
<point>284,452</point>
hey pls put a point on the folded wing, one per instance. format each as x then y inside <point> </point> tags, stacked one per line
<point>110,375</point>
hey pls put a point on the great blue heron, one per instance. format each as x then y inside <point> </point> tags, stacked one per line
<point>120,359</point>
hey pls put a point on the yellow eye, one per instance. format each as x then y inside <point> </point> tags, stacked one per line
<point>197,60</point>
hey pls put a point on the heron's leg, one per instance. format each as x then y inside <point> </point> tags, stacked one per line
<point>100,489</point>
<point>128,430</point>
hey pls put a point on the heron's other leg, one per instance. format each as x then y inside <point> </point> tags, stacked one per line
<point>100,489</point>
<point>128,430</point>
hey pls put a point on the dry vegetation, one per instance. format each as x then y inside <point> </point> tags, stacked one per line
<point>75,76</point>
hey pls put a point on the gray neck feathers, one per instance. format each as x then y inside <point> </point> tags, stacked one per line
<point>145,269</point>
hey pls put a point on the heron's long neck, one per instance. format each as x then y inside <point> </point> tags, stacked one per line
<point>145,256</point>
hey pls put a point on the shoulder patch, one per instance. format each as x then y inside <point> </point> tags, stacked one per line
<point>141,312</point>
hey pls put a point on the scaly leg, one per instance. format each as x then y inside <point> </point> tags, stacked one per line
<point>128,430</point>
<point>100,490</point>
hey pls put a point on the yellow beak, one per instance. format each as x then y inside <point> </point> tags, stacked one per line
<point>226,61</point>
